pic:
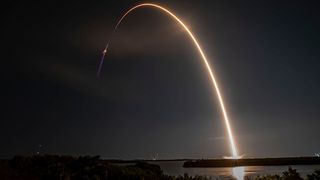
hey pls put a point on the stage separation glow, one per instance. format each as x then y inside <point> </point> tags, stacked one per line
<point>234,151</point>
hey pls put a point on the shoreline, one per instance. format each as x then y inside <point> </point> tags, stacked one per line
<point>252,162</point>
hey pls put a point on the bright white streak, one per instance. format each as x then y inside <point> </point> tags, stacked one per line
<point>215,84</point>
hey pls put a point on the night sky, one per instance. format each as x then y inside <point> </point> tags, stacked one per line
<point>154,95</point>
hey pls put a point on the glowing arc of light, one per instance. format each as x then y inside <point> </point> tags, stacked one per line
<point>215,84</point>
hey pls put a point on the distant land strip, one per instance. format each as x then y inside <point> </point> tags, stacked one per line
<point>252,162</point>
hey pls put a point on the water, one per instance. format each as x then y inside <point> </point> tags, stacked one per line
<point>176,168</point>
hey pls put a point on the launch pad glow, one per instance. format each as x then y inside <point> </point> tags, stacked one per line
<point>233,146</point>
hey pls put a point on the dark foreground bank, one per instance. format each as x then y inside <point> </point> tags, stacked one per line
<point>253,162</point>
<point>53,167</point>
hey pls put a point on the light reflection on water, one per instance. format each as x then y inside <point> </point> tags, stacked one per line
<point>238,172</point>
<point>176,168</point>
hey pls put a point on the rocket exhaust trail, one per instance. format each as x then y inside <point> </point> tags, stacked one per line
<point>233,146</point>
<point>102,60</point>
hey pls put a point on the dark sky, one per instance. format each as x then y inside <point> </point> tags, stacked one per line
<point>154,94</point>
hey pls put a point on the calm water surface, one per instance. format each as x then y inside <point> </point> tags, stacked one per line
<point>176,168</point>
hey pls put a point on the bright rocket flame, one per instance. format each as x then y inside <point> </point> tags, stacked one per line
<point>234,151</point>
